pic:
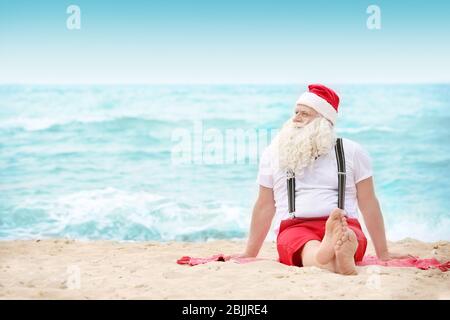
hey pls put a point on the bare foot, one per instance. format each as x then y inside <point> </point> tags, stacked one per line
<point>335,226</point>
<point>345,251</point>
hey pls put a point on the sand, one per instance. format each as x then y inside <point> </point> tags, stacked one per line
<point>68,269</point>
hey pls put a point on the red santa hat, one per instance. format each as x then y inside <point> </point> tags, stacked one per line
<point>322,99</point>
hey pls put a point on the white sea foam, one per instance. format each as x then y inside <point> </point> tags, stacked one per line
<point>43,123</point>
<point>112,208</point>
<point>421,230</point>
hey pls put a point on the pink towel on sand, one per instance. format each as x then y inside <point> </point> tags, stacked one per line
<point>423,264</point>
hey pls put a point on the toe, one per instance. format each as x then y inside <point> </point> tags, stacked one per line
<point>335,215</point>
<point>344,237</point>
<point>351,235</point>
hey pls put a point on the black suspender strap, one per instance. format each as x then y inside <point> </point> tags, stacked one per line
<point>291,191</point>
<point>340,158</point>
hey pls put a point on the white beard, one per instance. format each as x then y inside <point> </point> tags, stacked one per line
<point>298,147</point>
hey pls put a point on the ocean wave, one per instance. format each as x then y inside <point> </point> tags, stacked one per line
<point>120,122</point>
<point>425,230</point>
<point>116,214</point>
<point>40,124</point>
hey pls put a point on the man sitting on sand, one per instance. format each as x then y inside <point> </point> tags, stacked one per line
<point>319,234</point>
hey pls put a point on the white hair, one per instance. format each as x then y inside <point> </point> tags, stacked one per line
<point>298,147</point>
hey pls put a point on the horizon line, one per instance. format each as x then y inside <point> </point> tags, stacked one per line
<point>216,83</point>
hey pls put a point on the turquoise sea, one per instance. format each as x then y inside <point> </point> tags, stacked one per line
<point>98,162</point>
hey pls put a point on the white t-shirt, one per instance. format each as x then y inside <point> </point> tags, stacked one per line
<point>316,191</point>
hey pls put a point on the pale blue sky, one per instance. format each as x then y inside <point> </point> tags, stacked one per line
<point>224,42</point>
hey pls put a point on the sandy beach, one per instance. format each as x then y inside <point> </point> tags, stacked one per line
<point>68,269</point>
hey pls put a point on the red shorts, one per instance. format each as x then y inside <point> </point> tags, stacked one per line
<point>295,233</point>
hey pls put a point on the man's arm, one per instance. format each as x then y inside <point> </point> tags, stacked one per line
<point>263,212</point>
<point>370,209</point>
<point>373,218</point>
